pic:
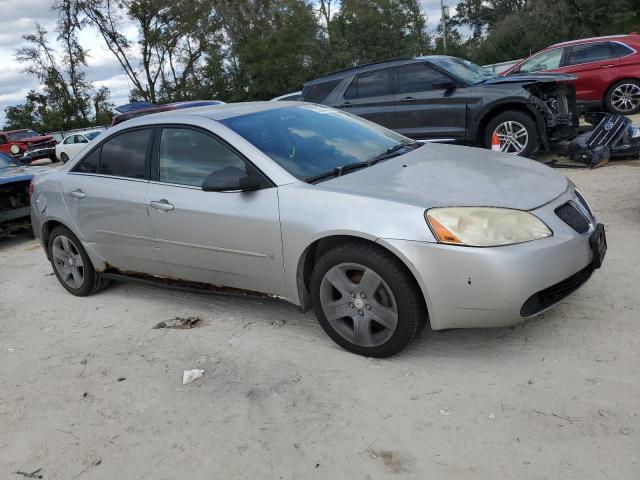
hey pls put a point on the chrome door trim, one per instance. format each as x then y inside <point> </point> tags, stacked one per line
<point>211,248</point>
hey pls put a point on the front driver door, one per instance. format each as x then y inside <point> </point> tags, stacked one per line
<point>426,111</point>
<point>223,238</point>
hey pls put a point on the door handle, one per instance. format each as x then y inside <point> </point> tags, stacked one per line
<point>408,100</point>
<point>161,205</point>
<point>346,104</point>
<point>77,193</point>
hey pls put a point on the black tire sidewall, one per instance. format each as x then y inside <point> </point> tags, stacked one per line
<point>607,99</point>
<point>395,278</point>
<point>90,275</point>
<point>64,158</point>
<point>521,117</point>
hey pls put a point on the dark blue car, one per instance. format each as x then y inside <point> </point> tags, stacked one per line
<point>14,193</point>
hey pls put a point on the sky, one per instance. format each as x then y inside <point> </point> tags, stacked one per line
<point>18,18</point>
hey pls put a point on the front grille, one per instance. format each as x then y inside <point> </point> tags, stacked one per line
<point>572,217</point>
<point>552,295</point>
<point>606,131</point>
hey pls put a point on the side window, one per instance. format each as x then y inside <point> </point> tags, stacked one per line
<point>619,50</point>
<point>80,139</point>
<point>544,61</point>
<point>372,84</point>
<point>69,139</point>
<point>89,164</point>
<point>125,155</point>
<point>188,156</point>
<point>592,52</point>
<point>418,78</point>
<point>318,92</point>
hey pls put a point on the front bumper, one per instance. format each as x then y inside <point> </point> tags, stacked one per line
<point>31,155</point>
<point>467,287</point>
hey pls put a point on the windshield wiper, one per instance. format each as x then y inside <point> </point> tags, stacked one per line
<point>336,172</point>
<point>392,152</point>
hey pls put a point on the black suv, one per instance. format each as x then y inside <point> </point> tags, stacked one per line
<point>449,99</point>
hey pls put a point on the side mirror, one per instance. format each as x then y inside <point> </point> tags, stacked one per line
<point>444,85</point>
<point>231,179</point>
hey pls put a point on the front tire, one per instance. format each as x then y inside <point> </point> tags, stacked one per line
<point>516,131</point>
<point>72,265</point>
<point>366,301</point>
<point>64,158</point>
<point>623,97</point>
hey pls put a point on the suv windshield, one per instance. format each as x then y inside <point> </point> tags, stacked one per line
<point>309,140</point>
<point>22,134</point>
<point>463,69</point>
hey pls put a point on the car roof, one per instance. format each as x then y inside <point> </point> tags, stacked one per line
<point>215,112</point>
<point>596,39</point>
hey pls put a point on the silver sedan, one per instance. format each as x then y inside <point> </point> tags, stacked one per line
<point>379,234</point>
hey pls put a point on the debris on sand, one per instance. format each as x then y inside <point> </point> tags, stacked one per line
<point>190,375</point>
<point>180,323</point>
<point>34,474</point>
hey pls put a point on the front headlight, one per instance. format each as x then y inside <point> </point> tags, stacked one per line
<point>484,226</point>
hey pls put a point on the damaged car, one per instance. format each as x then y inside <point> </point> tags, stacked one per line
<point>15,178</point>
<point>379,234</point>
<point>448,99</point>
<point>27,145</point>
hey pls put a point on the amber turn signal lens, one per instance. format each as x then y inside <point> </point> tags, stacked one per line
<point>442,234</point>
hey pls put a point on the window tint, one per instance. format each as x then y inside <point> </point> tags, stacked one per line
<point>372,84</point>
<point>417,78</point>
<point>90,163</point>
<point>619,50</point>
<point>318,92</point>
<point>125,155</point>
<point>592,52</point>
<point>188,156</point>
<point>545,61</point>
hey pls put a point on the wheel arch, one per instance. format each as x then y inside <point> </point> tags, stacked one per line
<point>496,109</point>
<point>314,251</point>
<point>613,83</point>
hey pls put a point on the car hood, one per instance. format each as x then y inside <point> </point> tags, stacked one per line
<point>36,139</point>
<point>531,78</point>
<point>19,174</point>
<point>437,175</point>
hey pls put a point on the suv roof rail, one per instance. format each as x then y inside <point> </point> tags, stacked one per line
<point>363,65</point>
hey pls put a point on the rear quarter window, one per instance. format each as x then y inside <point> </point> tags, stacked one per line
<point>318,92</point>
<point>619,50</point>
<point>89,164</point>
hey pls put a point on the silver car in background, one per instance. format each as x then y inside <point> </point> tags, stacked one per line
<point>377,233</point>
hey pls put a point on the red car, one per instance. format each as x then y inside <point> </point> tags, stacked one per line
<point>608,70</point>
<point>27,145</point>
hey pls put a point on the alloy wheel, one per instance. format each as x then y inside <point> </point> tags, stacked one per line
<point>68,261</point>
<point>358,304</point>
<point>626,97</point>
<point>513,137</point>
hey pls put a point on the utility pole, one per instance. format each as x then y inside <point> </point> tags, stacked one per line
<point>443,12</point>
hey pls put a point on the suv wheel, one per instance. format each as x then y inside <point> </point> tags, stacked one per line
<point>366,301</point>
<point>623,98</point>
<point>72,265</point>
<point>516,131</point>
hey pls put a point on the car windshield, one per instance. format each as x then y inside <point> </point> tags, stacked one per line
<point>6,161</point>
<point>309,140</point>
<point>22,134</point>
<point>91,135</point>
<point>463,69</point>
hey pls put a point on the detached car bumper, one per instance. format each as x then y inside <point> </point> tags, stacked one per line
<point>467,287</point>
<point>38,153</point>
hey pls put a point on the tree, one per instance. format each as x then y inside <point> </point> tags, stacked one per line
<point>102,107</point>
<point>370,30</point>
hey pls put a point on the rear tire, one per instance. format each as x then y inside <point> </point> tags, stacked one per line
<point>524,139</point>
<point>623,97</point>
<point>72,265</point>
<point>381,315</point>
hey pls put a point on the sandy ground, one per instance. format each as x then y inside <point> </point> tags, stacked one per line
<point>555,398</point>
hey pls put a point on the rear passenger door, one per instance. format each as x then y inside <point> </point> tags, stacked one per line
<point>105,194</point>
<point>426,110</point>
<point>370,95</point>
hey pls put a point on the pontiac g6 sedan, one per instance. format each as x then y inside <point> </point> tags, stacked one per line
<point>377,233</point>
